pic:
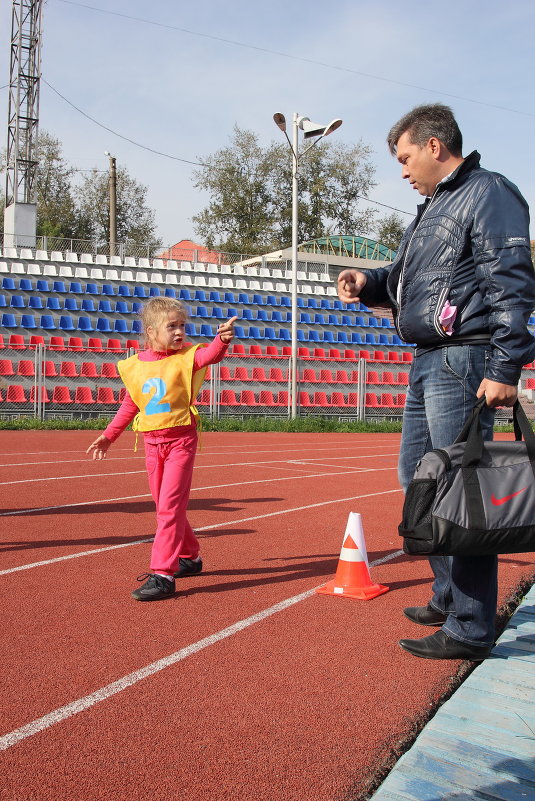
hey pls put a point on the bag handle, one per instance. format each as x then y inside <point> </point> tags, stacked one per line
<point>472,435</point>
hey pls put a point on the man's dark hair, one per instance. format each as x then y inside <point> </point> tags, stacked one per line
<point>423,122</point>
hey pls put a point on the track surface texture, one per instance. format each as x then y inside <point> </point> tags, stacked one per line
<point>246,685</point>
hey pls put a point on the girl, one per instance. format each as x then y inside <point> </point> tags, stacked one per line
<point>162,383</point>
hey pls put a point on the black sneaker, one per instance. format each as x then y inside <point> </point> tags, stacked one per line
<point>188,567</point>
<point>156,588</point>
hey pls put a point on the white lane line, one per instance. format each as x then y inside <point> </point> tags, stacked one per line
<point>203,528</point>
<point>81,704</point>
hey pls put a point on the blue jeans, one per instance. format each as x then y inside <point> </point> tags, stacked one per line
<point>442,392</point>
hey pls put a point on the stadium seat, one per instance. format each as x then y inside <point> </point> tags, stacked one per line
<point>28,321</point>
<point>104,306</point>
<point>237,350</point>
<point>88,305</point>
<point>8,282</point>
<point>328,337</point>
<point>276,374</point>
<point>105,395</point>
<point>61,395</point>
<point>338,399</point>
<point>35,302</point>
<point>124,291</point>
<point>68,370</point>
<point>364,354</point>
<point>59,286</point>
<point>285,335</point>
<point>75,343</point>
<point>122,394</point>
<point>255,350</point>
<point>383,339</point>
<point>109,370</point>
<point>154,292</point>
<point>334,353</point>
<point>103,325</point>
<point>84,395</point>
<point>320,399</point>
<point>393,356</point>
<point>255,333</point>
<point>387,399</point>
<point>6,367</point>
<point>92,289</point>
<point>70,304</point>
<point>272,350</point>
<point>286,350</point>
<point>400,399</point>
<point>309,375</point>
<point>85,324</point>
<point>224,373</point>
<point>304,399</point>
<point>371,339</point>
<point>388,377</point>
<point>16,342</point>
<point>17,302</point>
<point>3,301</point>
<point>259,374</point>
<point>89,370</point>
<point>241,374</point>
<point>120,327</point>
<point>370,399</point>
<point>42,395</point>
<point>114,345</point>
<point>342,377</point>
<point>350,355</point>
<point>356,338</point>
<point>283,398</point>
<point>16,394</point>
<point>355,377</point>
<point>75,287</point>
<point>133,343</point>
<point>66,323</point>
<point>247,398</point>
<point>53,304</point>
<point>141,292</point>
<point>204,398</point>
<point>56,343</point>
<point>266,398</point>
<point>228,398</point>
<point>137,327</point>
<point>169,291</point>
<point>107,289</point>
<point>407,356</point>
<point>49,369</point>
<point>95,344</point>
<point>380,356</point>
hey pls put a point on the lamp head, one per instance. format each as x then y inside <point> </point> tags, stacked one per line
<point>280,121</point>
<point>332,126</point>
<point>311,129</point>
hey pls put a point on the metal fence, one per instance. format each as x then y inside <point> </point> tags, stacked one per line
<point>47,382</point>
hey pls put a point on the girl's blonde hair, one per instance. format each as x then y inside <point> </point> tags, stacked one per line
<point>155,311</point>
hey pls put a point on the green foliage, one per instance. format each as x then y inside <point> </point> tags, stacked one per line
<point>390,230</point>
<point>250,189</point>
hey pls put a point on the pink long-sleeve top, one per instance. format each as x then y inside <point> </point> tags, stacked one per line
<point>212,354</point>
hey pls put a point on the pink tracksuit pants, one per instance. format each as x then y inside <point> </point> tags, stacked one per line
<point>170,470</point>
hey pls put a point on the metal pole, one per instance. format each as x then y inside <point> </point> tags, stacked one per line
<point>295,167</point>
<point>113,205</point>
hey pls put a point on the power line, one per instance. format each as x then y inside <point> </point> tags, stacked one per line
<point>249,46</point>
<point>175,158</point>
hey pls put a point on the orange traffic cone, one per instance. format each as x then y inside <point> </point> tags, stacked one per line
<point>352,579</point>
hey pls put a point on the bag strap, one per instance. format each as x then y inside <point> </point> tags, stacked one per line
<point>472,435</point>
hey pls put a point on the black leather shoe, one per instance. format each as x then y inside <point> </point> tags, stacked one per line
<point>425,615</point>
<point>440,646</point>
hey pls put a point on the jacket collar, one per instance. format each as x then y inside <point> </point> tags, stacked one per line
<point>471,162</point>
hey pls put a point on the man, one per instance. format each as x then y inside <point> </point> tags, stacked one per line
<point>462,288</point>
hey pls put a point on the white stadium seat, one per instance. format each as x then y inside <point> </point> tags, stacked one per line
<point>26,253</point>
<point>50,270</point>
<point>97,272</point>
<point>101,259</point>
<point>156,278</point>
<point>143,277</point>
<point>56,255</point>
<point>65,271</point>
<point>86,258</point>
<point>127,275</point>
<point>80,272</point>
<point>72,257</point>
<point>42,255</point>
<point>111,275</point>
<point>33,269</point>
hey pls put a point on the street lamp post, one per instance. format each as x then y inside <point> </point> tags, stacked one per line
<point>310,130</point>
<point>113,203</point>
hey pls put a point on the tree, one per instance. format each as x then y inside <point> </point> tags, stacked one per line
<point>390,230</point>
<point>250,188</point>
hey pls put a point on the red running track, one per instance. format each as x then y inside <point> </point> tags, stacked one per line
<point>246,685</point>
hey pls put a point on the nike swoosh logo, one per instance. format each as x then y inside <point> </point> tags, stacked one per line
<point>498,501</point>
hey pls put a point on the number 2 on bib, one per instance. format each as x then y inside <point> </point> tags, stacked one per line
<point>154,406</point>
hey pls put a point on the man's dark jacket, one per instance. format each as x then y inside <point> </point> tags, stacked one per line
<point>469,244</point>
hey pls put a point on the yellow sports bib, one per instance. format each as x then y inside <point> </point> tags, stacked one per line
<point>164,390</point>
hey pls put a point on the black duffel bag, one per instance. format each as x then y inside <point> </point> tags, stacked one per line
<point>474,497</point>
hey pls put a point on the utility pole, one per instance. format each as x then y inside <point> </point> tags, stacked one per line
<point>112,181</point>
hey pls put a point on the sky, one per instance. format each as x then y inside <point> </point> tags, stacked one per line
<point>179,82</point>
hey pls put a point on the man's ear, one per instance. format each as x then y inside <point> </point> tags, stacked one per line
<point>435,147</point>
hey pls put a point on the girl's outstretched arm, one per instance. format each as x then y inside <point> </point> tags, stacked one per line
<point>99,447</point>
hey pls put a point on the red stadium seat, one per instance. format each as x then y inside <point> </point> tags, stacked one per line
<point>16,394</point>
<point>342,377</point>
<point>272,350</point>
<point>401,399</point>
<point>105,395</point>
<point>326,376</point>
<point>61,395</point>
<point>237,350</point>
<point>266,398</point>
<point>304,399</point>
<point>6,367</point>
<point>204,398</point>
<point>225,373</point>
<point>353,399</point>
<point>241,374</point>
<point>89,370</point>
<point>338,399</point>
<point>350,355</point>
<point>16,342</point>
<point>393,356</point>
<point>276,374</point>
<point>26,367</point>
<point>406,356</point>
<point>320,399</point>
<point>403,378</point>
<point>286,350</point>
<point>49,369</point>
<point>372,377</point>
<point>255,350</point>
<point>259,374</point>
<point>247,398</point>
<point>84,395</point>
<point>530,382</point>
<point>388,377</point>
<point>228,398</point>
<point>370,399</point>
<point>68,370</point>
<point>303,353</point>
<point>379,356</point>
<point>56,343</point>
<point>133,343</point>
<point>114,345</point>
<point>355,377</point>
<point>122,393</point>
<point>334,353</point>
<point>95,344</point>
<point>283,398</point>
<point>109,370</point>
<point>319,353</point>
<point>36,340</point>
<point>75,343</point>
<point>1,340</point>
<point>309,375</point>
<point>42,395</point>
<point>364,354</point>
<point>387,399</point>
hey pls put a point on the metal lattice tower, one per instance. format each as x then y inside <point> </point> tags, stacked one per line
<point>23,115</point>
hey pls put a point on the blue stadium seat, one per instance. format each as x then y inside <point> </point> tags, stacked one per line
<point>184,294</point>
<point>141,292</point>
<point>105,306</point>
<point>319,319</point>
<point>120,327</point>
<point>273,300</point>
<point>47,321</point>
<point>200,295</point>
<point>276,316</point>
<point>154,292</point>
<point>255,333</point>
<point>243,298</point>
<point>8,282</point>
<point>35,302</point>
<point>53,304</point>
<point>304,318</point>
<point>170,292</point>
<point>301,303</point>
<point>258,300</point>
<point>17,302</point>
<point>92,289</point>
<point>3,301</point>
<point>107,289</point>
<point>59,286</point>
<point>342,337</point>
<point>122,307</point>
<point>313,336</point>
<point>75,287</point>
<point>386,323</point>
<point>71,304</point>
<point>239,330</point>
<point>247,314</point>
<point>328,336</point>
<point>88,305</point>
<point>136,307</point>
<point>215,297</point>
<point>285,335</point>
<point>270,333</point>
<point>262,315</point>
<point>28,321</point>
<point>372,322</point>
<point>363,308</point>
<point>217,312</point>
<point>302,335</point>
<point>356,338</point>
<point>370,339</point>
<point>25,284</point>
<point>333,319</point>
<point>325,303</point>
<point>359,320</point>
<point>202,311</point>
<point>206,330</point>
<point>232,313</point>
<point>229,297</point>
<point>396,340</point>
<point>103,325</point>
<point>42,285</point>
<point>9,320</point>
<point>286,302</point>
<point>124,291</point>
<point>313,303</point>
<point>347,319</point>
<point>288,317</point>
<point>383,339</point>
<point>191,330</point>
<point>66,323</point>
<point>137,328</point>
<point>338,305</point>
